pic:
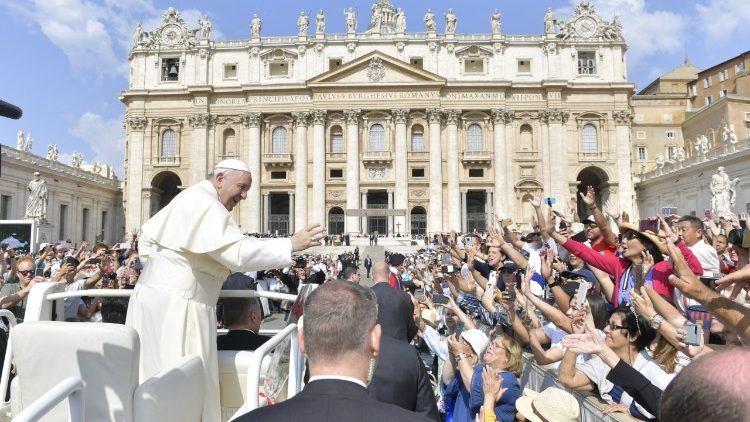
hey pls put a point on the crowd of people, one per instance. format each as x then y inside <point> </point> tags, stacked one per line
<point>620,310</point>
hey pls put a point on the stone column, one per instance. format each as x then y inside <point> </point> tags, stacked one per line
<point>489,215</point>
<point>464,212</point>
<point>558,164</point>
<point>134,176</point>
<point>199,123</point>
<point>626,191</point>
<point>500,118</point>
<point>352,169</point>
<point>300,169</point>
<point>364,206</point>
<point>292,212</point>
<point>401,200</point>
<point>389,219</point>
<point>454,201</point>
<point>251,121</point>
<point>435,211</point>
<point>319,167</point>
<point>266,212</point>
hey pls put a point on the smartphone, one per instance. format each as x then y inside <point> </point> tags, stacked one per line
<point>583,288</point>
<point>563,225</point>
<point>468,241</point>
<point>95,261</point>
<point>440,299</point>
<point>445,259</point>
<point>707,214</point>
<point>693,333</point>
<point>638,275</point>
<point>710,282</point>
<point>459,329</point>
<point>492,281</point>
<point>506,222</point>
<point>742,216</point>
<point>648,225</point>
<point>550,200</point>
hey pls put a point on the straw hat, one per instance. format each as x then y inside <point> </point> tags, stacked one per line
<point>429,317</point>
<point>632,227</point>
<point>551,405</point>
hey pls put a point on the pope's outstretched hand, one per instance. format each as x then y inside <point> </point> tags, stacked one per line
<point>308,237</point>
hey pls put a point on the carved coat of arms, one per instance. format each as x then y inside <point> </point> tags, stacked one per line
<point>376,70</point>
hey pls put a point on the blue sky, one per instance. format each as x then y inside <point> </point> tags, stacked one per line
<point>65,61</point>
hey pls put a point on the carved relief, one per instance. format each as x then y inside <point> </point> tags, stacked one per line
<point>319,117</point>
<point>335,194</point>
<point>501,116</point>
<point>400,115</point>
<point>137,123</point>
<point>251,119</point>
<point>376,173</point>
<point>352,116</point>
<point>554,115</point>
<point>376,70</point>
<point>201,120</point>
<point>622,117</point>
<point>452,116</point>
<point>434,114</point>
<point>301,118</point>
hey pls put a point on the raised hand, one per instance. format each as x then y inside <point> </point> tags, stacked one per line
<point>642,303</point>
<point>492,384</point>
<point>308,237</point>
<point>589,198</point>
<point>535,201</point>
<point>589,342</point>
<point>612,210</point>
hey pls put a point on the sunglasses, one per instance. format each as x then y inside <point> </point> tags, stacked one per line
<point>630,235</point>
<point>505,271</point>
<point>26,273</point>
<point>590,225</point>
<point>613,326</point>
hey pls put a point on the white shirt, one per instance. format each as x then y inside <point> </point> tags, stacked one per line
<point>72,303</point>
<point>709,260</point>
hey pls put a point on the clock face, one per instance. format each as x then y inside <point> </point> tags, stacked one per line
<point>585,27</point>
<point>170,35</point>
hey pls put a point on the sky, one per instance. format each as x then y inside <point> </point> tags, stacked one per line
<point>65,62</point>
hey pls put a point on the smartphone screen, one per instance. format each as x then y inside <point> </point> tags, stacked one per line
<point>693,332</point>
<point>440,299</point>
<point>492,281</point>
<point>638,276</point>
<point>583,288</point>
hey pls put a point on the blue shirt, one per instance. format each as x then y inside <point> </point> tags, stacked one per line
<point>466,404</point>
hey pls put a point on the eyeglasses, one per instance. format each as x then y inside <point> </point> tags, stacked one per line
<point>613,326</point>
<point>630,235</point>
<point>26,273</point>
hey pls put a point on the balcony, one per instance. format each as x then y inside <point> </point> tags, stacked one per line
<point>166,161</point>
<point>526,155</point>
<point>335,157</point>
<point>277,159</point>
<point>419,156</point>
<point>477,157</point>
<point>376,157</point>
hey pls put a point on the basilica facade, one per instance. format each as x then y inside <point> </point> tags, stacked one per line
<point>380,128</point>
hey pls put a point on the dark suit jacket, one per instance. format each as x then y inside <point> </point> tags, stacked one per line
<point>395,312</point>
<point>240,340</point>
<point>368,263</point>
<point>331,401</point>
<point>401,379</point>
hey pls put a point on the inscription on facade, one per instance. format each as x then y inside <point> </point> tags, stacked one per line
<point>228,101</point>
<point>526,97</point>
<point>200,100</point>
<point>276,99</point>
<point>413,95</point>
<point>475,96</point>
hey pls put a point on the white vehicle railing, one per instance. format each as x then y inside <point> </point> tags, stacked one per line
<point>45,301</point>
<point>70,388</point>
<point>8,352</point>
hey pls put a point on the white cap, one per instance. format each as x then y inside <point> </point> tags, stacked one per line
<point>232,164</point>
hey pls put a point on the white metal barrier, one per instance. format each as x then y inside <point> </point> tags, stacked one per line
<point>8,352</point>
<point>45,302</point>
<point>71,388</point>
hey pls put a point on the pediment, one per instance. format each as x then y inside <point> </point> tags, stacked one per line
<point>376,68</point>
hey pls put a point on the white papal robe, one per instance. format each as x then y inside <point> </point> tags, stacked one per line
<point>188,249</point>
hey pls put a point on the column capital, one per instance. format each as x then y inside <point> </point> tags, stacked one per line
<point>137,123</point>
<point>400,115</point>
<point>201,120</point>
<point>301,118</point>
<point>554,115</point>
<point>502,116</point>
<point>622,117</point>
<point>251,119</point>
<point>352,116</point>
<point>319,116</point>
<point>452,116</point>
<point>434,115</point>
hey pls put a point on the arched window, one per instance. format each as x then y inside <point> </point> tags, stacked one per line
<point>589,139</point>
<point>279,141</point>
<point>474,138</point>
<point>230,143</point>
<point>169,143</point>
<point>418,221</point>
<point>337,139</point>
<point>417,138</point>
<point>336,221</point>
<point>377,138</point>
<point>526,141</point>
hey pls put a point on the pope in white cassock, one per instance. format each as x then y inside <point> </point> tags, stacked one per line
<point>188,249</point>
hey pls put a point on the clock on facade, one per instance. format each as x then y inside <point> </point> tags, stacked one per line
<point>585,27</point>
<point>170,34</point>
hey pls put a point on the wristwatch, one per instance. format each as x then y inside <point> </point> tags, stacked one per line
<point>656,321</point>
<point>461,356</point>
